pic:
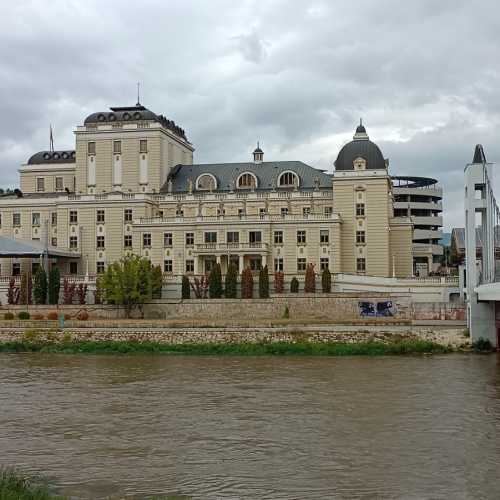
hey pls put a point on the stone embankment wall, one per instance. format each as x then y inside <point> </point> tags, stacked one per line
<point>452,336</point>
<point>335,308</point>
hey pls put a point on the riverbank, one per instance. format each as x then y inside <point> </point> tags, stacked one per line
<point>369,348</point>
<point>15,486</point>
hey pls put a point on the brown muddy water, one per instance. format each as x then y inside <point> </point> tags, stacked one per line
<point>254,427</point>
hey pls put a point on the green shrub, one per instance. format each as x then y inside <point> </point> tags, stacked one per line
<point>40,286</point>
<point>8,316</point>
<point>264,283</point>
<point>31,335</point>
<point>231,282</point>
<point>294,285</point>
<point>482,345</point>
<point>24,315</point>
<point>326,281</point>
<point>215,282</point>
<point>186,289</point>
<point>15,486</point>
<point>54,285</point>
<point>156,282</point>
<point>286,313</point>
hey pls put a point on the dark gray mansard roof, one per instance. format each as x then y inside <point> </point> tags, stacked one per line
<point>133,113</point>
<point>46,157</point>
<point>226,174</point>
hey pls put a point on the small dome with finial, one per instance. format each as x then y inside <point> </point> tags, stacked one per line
<point>258,154</point>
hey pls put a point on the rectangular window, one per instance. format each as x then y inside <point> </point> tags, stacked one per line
<point>328,211</point>
<point>179,212</point>
<point>167,239</point>
<point>54,218</point>
<point>34,267</point>
<point>117,147</point>
<point>306,211</point>
<point>167,266</point>
<point>361,265</point>
<point>100,216</point>
<point>360,209</point>
<point>59,184</point>
<point>360,237</point>
<point>211,237</point>
<point>241,212</point>
<point>73,217</point>
<point>233,237</point>
<point>324,236</point>
<point>127,215</point>
<point>190,266</point>
<point>73,268</point>
<point>301,265</point>
<point>262,212</point>
<point>16,269</point>
<point>0,220</point>
<point>255,263</point>
<point>40,184</point>
<point>278,264</point>
<point>189,239</point>
<point>16,219</point>
<point>99,267</point>
<point>284,211</point>
<point>100,242</point>
<point>73,242</point>
<point>146,240</point>
<point>127,241</point>
<point>278,237</point>
<point>143,146</point>
<point>301,237</point>
<point>324,263</point>
<point>54,242</point>
<point>35,219</point>
<point>91,148</point>
<point>255,237</point>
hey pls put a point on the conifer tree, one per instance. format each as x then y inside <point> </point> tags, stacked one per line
<point>231,282</point>
<point>264,283</point>
<point>215,282</point>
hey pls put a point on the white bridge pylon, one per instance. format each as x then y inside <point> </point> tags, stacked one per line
<point>482,219</point>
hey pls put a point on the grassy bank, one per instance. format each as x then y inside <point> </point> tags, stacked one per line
<point>14,486</point>
<point>271,348</point>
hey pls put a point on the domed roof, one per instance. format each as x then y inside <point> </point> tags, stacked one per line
<point>44,157</point>
<point>360,146</point>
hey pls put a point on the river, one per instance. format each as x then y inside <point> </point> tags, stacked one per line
<point>254,427</point>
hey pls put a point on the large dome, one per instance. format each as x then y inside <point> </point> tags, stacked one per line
<point>360,146</point>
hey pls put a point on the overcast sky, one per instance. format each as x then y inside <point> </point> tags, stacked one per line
<point>296,75</point>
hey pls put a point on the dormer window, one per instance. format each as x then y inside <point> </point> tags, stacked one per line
<point>359,164</point>
<point>117,147</point>
<point>143,146</point>
<point>247,180</point>
<point>288,179</point>
<point>91,148</point>
<point>206,182</point>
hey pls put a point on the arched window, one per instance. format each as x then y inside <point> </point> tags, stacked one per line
<point>206,182</point>
<point>288,179</point>
<point>247,181</point>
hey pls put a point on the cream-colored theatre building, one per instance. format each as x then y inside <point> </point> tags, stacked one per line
<point>130,186</point>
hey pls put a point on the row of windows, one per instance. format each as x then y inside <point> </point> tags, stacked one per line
<point>40,184</point>
<point>117,147</point>
<point>246,180</point>
<point>231,237</point>
<point>128,215</point>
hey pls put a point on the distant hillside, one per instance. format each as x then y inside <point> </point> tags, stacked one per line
<point>446,239</point>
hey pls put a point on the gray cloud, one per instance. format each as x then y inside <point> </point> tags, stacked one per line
<point>295,75</point>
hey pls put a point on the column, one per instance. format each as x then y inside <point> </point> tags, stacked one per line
<point>264,260</point>
<point>196,264</point>
<point>242,262</point>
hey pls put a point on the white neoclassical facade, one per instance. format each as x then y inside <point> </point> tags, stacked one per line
<point>130,186</point>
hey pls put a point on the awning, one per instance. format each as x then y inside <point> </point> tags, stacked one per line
<point>11,247</point>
